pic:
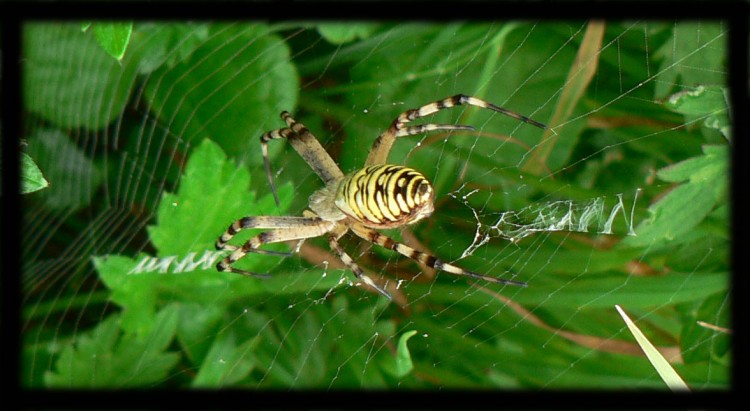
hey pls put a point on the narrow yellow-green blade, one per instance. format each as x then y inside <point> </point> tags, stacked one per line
<point>666,372</point>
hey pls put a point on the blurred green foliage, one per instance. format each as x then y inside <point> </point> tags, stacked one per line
<point>154,156</point>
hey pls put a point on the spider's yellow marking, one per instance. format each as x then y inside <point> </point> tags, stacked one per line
<point>385,196</point>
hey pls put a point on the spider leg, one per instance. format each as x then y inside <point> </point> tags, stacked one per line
<point>261,251</point>
<point>264,222</point>
<point>356,269</point>
<point>424,128</point>
<point>308,147</point>
<point>383,144</point>
<point>333,242</point>
<point>286,228</point>
<point>423,258</point>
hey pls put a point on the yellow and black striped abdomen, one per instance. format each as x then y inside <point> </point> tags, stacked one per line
<point>384,195</point>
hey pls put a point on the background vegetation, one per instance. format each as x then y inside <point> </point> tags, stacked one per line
<point>153,151</point>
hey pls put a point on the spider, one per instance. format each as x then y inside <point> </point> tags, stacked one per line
<point>377,196</point>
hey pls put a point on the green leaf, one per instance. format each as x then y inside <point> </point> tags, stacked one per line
<point>113,37</point>
<point>711,168</point>
<point>340,33</point>
<point>168,43</point>
<point>31,176</point>
<point>683,208</point>
<point>75,178</point>
<point>404,364</point>
<point>227,362</point>
<point>231,88</point>
<point>197,321</point>
<point>91,95</point>
<point>709,102</point>
<point>136,294</point>
<point>208,175</point>
<point>104,357</point>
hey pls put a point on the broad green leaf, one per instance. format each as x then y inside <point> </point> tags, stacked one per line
<point>711,167</point>
<point>135,293</point>
<point>683,208</point>
<point>197,322</point>
<point>231,89</point>
<point>709,102</point>
<point>227,362</point>
<point>104,357</point>
<point>208,175</point>
<point>701,100</point>
<point>92,95</point>
<point>75,178</point>
<point>113,37</point>
<point>32,178</point>
<point>339,33</point>
<point>322,343</point>
<point>168,43</point>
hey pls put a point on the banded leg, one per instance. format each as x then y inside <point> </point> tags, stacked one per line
<point>263,222</point>
<point>423,258</point>
<point>345,258</point>
<point>308,147</point>
<point>424,128</point>
<point>286,229</point>
<point>383,144</point>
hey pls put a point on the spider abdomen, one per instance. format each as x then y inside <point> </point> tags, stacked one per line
<point>385,195</point>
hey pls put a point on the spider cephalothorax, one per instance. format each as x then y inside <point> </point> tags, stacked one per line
<point>377,196</point>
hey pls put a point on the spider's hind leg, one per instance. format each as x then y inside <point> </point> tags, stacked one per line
<point>424,258</point>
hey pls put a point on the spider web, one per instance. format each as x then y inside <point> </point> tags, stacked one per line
<point>623,200</point>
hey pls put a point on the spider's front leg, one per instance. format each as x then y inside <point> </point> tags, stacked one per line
<point>381,147</point>
<point>284,229</point>
<point>308,147</point>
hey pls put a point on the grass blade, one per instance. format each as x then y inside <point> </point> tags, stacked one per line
<point>666,372</point>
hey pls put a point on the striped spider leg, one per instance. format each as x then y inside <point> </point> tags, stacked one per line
<point>381,147</point>
<point>285,228</point>
<point>306,145</point>
<point>426,259</point>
